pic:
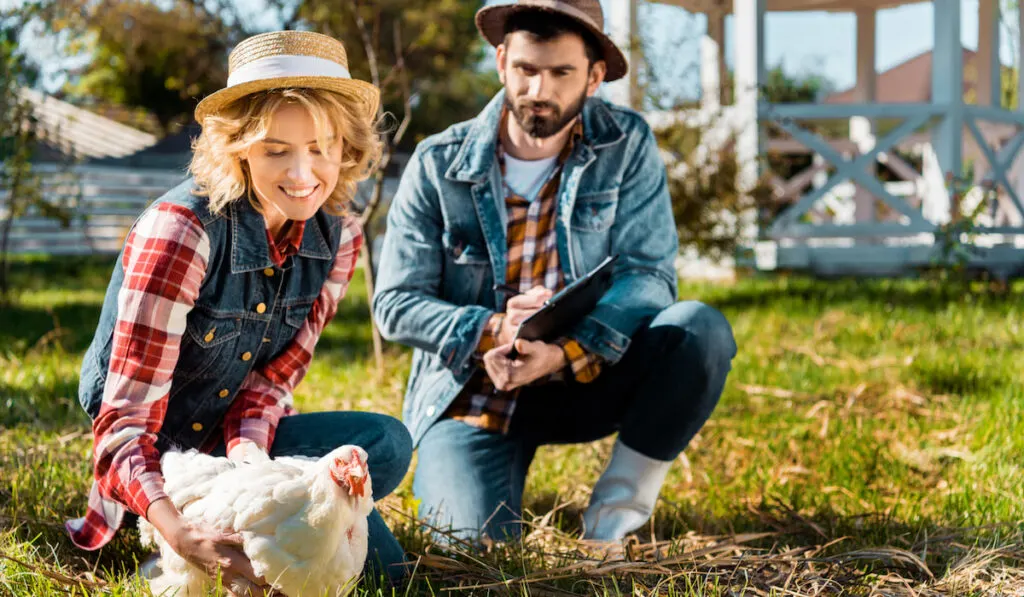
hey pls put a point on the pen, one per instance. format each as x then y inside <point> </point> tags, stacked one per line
<point>510,291</point>
<point>506,289</point>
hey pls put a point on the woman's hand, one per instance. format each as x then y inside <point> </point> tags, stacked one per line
<point>212,550</point>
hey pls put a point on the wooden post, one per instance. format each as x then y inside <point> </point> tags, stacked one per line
<point>621,22</point>
<point>712,62</point>
<point>1018,166</point>
<point>1020,62</point>
<point>947,86</point>
<point>862,129</point>
<point>988,78</point>
<point>749,75</point>
<point>748,18</point>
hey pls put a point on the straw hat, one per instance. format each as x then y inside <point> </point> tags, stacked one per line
<point>283,59</point>
<point>490,20</point>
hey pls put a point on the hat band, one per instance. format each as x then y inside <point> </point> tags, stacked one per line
<point>274,67</point>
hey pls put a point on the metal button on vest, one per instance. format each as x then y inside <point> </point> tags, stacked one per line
<point>197,426</point>
<point>261,308</point>
<point>209,336</point>
<point>269,272</point>
<point>224,393</point>
<point>246,355</point>
<point>430,411</point>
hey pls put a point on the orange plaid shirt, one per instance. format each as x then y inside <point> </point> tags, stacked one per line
<point>532,261</point>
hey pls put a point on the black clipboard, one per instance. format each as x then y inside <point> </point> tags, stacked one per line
<point>569,306</point>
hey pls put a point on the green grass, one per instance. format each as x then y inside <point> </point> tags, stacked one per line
<point>859,415</point>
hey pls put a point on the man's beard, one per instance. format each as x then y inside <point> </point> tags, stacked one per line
<point>541,126</point>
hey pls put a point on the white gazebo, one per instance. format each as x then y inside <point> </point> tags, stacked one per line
<point>850,221</point>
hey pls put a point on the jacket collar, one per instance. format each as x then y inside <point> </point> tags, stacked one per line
<point>477,153</point>
<point>249,248</point>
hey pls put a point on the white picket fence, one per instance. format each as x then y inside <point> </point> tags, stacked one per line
<point>102,202</point>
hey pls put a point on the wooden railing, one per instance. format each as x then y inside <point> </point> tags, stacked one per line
<point>921,200</point>
<point>101,204</point>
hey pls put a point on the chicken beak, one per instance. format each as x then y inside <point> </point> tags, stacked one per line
<point>357,483</point>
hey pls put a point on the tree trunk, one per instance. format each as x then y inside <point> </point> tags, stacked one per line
<point>5,237</point>
<point>367,259</point>
<point>378,342</point>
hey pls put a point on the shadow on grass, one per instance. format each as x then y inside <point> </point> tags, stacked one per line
<point>67,273</point>
<point>70,326</point>
<point>963,377</point>
<point>52,404</point>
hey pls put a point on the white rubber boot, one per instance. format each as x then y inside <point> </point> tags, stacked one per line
<point>623,498</point>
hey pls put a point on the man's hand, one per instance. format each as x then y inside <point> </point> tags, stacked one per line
<point>518,309</point>
<point>536,360</point>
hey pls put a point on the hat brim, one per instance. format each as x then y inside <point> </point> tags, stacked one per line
<point>364,96</point>
<point>490,21</point>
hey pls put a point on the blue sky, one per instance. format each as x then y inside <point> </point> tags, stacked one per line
<point>816,42</point>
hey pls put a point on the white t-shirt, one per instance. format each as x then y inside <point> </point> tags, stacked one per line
<point>527,177</point>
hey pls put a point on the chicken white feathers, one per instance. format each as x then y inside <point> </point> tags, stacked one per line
<point>303,521</point>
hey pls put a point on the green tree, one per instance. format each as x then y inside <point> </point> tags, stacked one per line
<point>19,186</point>
<point>707,203</point>
<point>433,43</point>
<point>162,58</point>
<point>782,88</point>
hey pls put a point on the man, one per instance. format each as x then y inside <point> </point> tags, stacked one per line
<point>534,192</point>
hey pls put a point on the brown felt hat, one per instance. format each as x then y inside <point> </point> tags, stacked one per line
<point>490,20</point>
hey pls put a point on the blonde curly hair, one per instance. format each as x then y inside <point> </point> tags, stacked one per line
<point>222,174</point>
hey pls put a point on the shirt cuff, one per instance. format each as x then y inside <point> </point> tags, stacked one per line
<point>585,366</point>
<point>255,431</point>
<point>245,450</point>
<point>489,339</point>
<point>143,491</point>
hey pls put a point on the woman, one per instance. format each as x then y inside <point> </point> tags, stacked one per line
<point>221,292</point>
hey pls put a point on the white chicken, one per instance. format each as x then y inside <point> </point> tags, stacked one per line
<point>303,521</point>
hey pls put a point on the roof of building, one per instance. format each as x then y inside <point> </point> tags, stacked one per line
<point>910,81</point>
<point>78,132</point>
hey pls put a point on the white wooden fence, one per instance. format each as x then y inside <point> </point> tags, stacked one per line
<point>102,203</point>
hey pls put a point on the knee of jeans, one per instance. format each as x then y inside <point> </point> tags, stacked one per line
<point>707,331</point>
<point>393,453</point>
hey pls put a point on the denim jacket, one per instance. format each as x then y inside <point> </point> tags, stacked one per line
<point>235,277</point>
<point>445,246</point>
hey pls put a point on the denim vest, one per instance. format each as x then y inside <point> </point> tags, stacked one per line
<point>224,325</point>
<point>446,245</point>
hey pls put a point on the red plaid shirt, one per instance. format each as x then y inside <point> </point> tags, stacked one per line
<point>165,260</point>
<point>532,261</point>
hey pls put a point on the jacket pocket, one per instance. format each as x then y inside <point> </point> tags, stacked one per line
<point>207,337</point>
<point>462,252</point>
<point>296,314</point>
<point>595,212</point>
<point>465,268</point>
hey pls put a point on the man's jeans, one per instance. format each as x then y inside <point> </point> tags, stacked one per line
<point>388,452</point>
<point>657,398</point>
